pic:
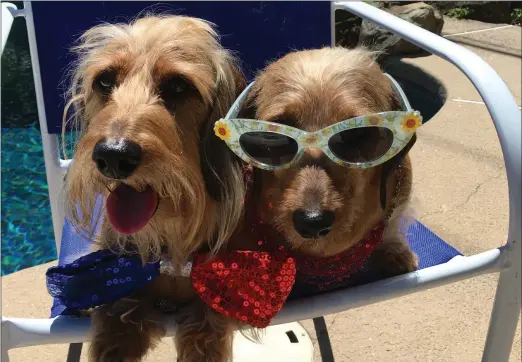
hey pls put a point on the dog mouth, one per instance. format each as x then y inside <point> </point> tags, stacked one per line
<point>129,210</point>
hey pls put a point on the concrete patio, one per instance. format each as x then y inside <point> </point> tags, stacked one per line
<point>461,188</point>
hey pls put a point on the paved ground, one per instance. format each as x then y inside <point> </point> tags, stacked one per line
<point>460,185</point>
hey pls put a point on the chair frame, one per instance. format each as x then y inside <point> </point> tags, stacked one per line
<point>505,260</point>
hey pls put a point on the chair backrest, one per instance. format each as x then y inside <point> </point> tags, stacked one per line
<point>257,31</point>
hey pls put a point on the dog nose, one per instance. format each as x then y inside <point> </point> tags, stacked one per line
<point>313,224</point>
<point>116,159</point>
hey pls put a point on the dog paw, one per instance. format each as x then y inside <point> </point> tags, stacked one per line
<point>102,352</point>
<point>105,352</point>
<point>203,335</point>
<point>404,262</point>
<point>393,258</point>
<point>123,332</point>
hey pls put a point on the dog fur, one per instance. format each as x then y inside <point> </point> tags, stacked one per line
<point>311,90</point>
<point>200,187</point>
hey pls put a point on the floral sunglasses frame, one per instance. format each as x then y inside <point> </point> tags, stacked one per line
<point>401,123</point>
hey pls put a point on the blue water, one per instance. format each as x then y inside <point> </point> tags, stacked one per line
<point>27,231</point>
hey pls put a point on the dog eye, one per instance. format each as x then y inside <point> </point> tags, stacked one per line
<point>173,88</point>
<point>105,82</point>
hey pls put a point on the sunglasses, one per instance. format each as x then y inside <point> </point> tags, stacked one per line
<point>359,142</point>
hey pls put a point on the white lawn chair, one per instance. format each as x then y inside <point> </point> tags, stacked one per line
<point>435,270</point>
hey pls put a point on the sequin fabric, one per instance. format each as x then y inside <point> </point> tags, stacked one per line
<point>321,274</point>
<point>316,274</point>
<point>98,278</point>
<point>251,286</point>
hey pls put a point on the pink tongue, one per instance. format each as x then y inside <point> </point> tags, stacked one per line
<point>129,210</point>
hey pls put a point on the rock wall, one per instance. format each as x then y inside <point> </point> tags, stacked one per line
<point>352,30</point>
<point>487,11</point>
<point>419,13</point>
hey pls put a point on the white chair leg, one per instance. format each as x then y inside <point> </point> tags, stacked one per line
<point>506,310</point>
<point>5,356</point>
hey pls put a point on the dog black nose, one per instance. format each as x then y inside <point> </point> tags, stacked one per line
<point>313,224</point>
<point>116,159</point>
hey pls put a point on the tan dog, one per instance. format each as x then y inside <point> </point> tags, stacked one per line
<point>319,209</point>
<point>146,96</point>
<point>321,205</point>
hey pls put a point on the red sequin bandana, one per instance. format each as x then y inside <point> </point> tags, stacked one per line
<point>322,273</point>
<point>248,286</point>
<point>327,273</point>
<point>252,286</point>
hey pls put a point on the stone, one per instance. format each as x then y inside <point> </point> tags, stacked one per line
<point>347,28</point>
<point>486,11</point>
<point>419,13</point>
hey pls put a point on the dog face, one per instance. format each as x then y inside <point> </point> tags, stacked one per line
<point>146,95</point>
<point>321,207</point>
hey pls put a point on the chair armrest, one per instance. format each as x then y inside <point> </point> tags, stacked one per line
<point>507,119</point>
<point>496,95</point>
<point>24,332</point>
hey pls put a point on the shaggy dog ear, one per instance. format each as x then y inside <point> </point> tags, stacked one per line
<point>220,166</point>
<point>391,164</point>
<point>249,109</point>
<point>395,102</point>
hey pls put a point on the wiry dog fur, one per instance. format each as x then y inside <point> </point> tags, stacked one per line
<point>200,188</point>
<point>311,90</point>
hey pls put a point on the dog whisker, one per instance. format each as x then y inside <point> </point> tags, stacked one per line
<point>127,299</point>
<point>126,314</point>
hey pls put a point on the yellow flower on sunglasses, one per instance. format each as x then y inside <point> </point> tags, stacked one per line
<point>411,122</point>
<point>221,130</point>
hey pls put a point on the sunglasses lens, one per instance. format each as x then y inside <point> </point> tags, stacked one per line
<point>269,148</point>
<point>359,145</point>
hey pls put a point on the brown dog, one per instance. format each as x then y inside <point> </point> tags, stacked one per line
<point>146,96</point>
<point>320,211</point>
<point>324,209</point>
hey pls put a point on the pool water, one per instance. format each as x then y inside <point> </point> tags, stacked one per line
<point>27,231</point>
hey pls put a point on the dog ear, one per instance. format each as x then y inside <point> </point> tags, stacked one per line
<point>392,164</point>
<point>219,165</point>
<point>395,102</point>
<point>249,109</point>
<point>397,160</point>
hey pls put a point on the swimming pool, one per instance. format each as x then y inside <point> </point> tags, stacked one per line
<point>27,231</point>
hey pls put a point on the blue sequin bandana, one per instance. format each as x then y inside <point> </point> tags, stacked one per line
<point>98,278</point>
